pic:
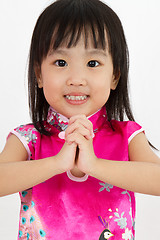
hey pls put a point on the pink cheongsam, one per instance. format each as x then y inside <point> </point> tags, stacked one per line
<point>71,208</point>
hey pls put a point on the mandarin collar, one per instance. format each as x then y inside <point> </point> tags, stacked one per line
<point>61,122</point>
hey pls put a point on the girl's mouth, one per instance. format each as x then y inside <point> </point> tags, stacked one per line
<point>76,99</point>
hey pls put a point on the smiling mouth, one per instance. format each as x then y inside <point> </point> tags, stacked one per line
<point>76,98</point>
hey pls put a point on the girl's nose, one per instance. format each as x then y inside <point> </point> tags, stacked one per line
<point>77,78</point>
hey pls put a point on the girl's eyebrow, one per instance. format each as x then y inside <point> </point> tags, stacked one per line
<point>58,51</point>
<point>97,52</point>
<point>88,52</point>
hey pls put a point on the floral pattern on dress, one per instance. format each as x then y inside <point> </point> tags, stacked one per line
<point>116,216</point>
<point>106,187</point>
<point>28,134</point>
<point>126,192</point>
<point>127,235</point>
<point>121,221</point>
<point>56,120</point>
<point>31,227</point>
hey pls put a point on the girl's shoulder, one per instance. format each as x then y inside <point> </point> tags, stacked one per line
<point>128,128</point>
<point>28,135</point>
<point>28,132</point>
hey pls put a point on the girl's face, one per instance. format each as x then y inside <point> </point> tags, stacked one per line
<point>77,80</point>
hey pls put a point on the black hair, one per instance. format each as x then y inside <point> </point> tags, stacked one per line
<point>65,21</point>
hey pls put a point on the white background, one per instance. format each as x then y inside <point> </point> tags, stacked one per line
<point>141,21</point>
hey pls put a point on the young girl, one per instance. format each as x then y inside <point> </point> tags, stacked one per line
<point>89,161</point>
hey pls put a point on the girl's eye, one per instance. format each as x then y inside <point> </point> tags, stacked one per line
<point>61,63</point>
<point>93,63</point>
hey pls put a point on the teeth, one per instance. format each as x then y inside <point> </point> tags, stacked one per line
<point>77,98</point>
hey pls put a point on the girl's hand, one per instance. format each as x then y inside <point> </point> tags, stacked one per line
<point>65,159</point>
<point>80,133</point>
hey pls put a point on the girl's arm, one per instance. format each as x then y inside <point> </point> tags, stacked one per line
<point>140,174</point>
<point>17,174</point>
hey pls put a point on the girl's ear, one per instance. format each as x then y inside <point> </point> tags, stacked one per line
<point>115,81</point>
<point>37,71</point>
<point>40,83</point>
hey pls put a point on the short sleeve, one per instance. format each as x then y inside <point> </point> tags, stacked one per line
<point>28,135</point>
<point>133,129</point>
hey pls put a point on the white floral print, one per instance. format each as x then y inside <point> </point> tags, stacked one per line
<point>127,235</point>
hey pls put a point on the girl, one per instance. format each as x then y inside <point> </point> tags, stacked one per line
<point>89,161</point>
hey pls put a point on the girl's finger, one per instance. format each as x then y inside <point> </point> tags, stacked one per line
<point>62,135</point>
<point>80,129</point>
<point>74,118</point>
<point>85,123</point>
<point>75,138</point>
<point>82,119</point>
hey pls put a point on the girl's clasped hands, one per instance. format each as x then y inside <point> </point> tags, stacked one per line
<point>78,151</point>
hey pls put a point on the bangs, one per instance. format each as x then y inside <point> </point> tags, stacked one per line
<point>66,21</point>
<point>69,36</point>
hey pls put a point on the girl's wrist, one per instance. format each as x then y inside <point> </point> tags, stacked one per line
<point>93,169</point>
<point>56,166</point>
